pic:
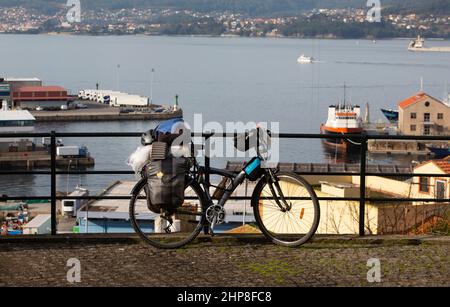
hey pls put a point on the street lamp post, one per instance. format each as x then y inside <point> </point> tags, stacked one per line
<point>118,77</point>
<point>151,86</point>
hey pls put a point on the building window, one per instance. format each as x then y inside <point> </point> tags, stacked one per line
<point>427,104</point>
<point>413,115</point>
<point>426,117</point>
<point>440,115</point>
<point>440,189</point>
<point>413,128</point>
<point>424,184</point>
<point>426,130</point>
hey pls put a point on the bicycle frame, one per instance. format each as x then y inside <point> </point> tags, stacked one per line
<point>236,180</point>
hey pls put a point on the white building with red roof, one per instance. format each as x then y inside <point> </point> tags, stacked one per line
<point>422,114</point>
<point>437,186</point>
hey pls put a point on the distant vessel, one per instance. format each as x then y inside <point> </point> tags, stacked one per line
<point>391,115</point>
<point>24,152</point>
<point>15,121</point>
<point>303,59</point>
<point>12,121</point>
<point>343,119</point>
<point>419,45</point>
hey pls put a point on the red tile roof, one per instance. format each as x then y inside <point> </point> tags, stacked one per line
<point>443,165</point>
<point>41,89</point>
<point>413,99</point>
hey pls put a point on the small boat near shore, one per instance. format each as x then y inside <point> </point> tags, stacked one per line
<point>391,115</point>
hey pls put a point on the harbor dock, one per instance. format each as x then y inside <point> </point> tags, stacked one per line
<point>101,114</point>
<point>401,147</point>
<point>41,159</point>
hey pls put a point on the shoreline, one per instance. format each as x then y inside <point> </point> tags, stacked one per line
<point>225,36</point>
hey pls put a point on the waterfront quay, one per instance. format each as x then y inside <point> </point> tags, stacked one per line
<point>97,112</point>
<point>226,261</point>
<point>41,159</point>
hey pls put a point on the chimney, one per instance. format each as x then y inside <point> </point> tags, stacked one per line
<point>367,114</point>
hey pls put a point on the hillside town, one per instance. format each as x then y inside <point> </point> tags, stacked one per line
<point>327,23</point>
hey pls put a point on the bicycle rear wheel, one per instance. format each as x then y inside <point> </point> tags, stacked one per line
<point>292,227</point>
<point>171,231</point>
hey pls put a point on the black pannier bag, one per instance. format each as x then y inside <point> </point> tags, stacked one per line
<point>166,179</point>
<point>165,173</point>
<point>166,183</point>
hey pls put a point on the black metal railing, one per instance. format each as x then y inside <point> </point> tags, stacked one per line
<point>363,174</point>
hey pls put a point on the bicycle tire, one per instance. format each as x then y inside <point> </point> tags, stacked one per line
<point>256,204</point>
<point>192,236</point>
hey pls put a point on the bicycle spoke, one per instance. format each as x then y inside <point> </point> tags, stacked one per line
<point>297,223</point>
<point>163,229</point>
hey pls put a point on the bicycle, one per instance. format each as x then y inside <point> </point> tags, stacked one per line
<point>285,206</point>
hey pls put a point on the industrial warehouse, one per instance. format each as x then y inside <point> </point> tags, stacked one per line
<point>50,103</point>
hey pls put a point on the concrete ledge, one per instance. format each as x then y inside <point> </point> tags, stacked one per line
<point>224,238</point>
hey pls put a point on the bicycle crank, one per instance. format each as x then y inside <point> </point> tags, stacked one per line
<point>215,215</point>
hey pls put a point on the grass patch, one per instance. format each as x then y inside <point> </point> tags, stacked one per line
<point>277,270</point>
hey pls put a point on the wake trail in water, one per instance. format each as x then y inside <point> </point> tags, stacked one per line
<point>394,64</point>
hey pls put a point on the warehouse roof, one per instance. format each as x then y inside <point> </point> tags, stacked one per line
<point>13,79</point>
<point>16,115</point>
<point>41,89</point>
<point>38,221</point>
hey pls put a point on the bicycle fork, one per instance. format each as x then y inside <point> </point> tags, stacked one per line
<point>276,191</point>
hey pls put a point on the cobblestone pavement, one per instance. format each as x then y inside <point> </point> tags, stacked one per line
<point>223,264</point>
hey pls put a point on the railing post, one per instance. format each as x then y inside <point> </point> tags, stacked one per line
<point>53,181</point>
<point>362,197</point>
<point>207,175</point>
<point>207,157</point>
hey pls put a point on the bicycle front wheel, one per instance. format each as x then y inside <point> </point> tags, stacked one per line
<point>299,222</point>
<point>168,231</point>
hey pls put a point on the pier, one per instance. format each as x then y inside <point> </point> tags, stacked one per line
<point>41,159</point>
<point>101,114</point>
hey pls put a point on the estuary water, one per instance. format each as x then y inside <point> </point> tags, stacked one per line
<point>224,80</point>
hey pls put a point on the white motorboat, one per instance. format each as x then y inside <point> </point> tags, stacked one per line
<point>303,59</point>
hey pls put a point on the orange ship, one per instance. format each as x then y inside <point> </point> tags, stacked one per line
<point>342,120</point>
